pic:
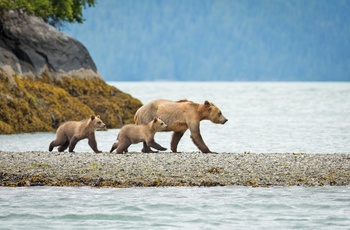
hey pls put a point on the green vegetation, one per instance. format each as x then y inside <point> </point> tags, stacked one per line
<point>53,12</point>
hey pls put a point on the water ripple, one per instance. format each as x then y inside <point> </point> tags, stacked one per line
<point>167,208</point>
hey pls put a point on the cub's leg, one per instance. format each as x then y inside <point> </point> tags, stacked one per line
<point>72,143</point>
<point>114,146</point>
<point>123,146</point>
<point>57,142</point>
<point>146,148</point>
<point>155,145</point>
<point>93,144</point>
<point>52,145</point>
<point>64,146</point>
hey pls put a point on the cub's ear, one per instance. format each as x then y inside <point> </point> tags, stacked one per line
<point>155,119</point>
<point>207,103</point>
<point>92,117</point>
<point>98,116</point>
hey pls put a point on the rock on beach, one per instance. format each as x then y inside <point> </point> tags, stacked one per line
<point>36,168</point>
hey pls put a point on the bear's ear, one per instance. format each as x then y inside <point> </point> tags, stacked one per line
<point>155,119</point>
<point>207,103</point>
<point>92,117</point>
<point>98,116</point>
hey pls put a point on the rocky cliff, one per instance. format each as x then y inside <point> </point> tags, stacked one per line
<point>47,77</point>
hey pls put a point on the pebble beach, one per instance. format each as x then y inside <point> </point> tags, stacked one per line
<point>135,169</point>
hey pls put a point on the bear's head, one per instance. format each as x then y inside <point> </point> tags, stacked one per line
<point>214,114</point>
<point>158,124</point>
<point>96,122</point>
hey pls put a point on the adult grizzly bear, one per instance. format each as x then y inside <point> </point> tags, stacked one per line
<point>70,132</point>
<point>180,116</point>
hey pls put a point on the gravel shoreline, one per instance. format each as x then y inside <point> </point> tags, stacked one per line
<point>36,168</point>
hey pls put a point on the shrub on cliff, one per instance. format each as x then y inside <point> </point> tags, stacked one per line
<point>53,12</point>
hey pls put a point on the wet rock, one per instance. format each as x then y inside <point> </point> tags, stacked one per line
<point>29,46</point>
<point>47,77</point>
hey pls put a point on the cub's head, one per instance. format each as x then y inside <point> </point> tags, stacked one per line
<point>96,122</point>
<point>158,124</point>
<point>213,113</point>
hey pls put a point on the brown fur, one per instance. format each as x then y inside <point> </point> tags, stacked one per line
<point>70,132</point>
<point>133,134</point>
<point>180,116</point>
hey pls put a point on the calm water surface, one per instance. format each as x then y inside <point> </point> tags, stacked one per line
<point>263,117</point>
<point>175,208</point>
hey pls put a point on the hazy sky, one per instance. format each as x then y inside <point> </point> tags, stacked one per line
<point>282,40</point>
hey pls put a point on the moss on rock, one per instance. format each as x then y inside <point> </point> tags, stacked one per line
<point>42,104</point>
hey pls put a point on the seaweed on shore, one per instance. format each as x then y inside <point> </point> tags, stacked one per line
<point>42,104</point>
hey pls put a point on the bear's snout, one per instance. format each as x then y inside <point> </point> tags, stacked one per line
<point>101,125</point>
<point>224,121</point>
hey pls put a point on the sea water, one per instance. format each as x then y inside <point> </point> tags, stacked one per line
<point>175,208</point>
<point>263,118</point>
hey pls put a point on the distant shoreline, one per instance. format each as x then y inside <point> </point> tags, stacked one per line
<point>36,168</point>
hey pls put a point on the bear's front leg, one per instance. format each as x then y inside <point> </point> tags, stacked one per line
<point>175,140</point>
<point>93,144</point>
<point>147,149</point>
<point>155,145</point>
<point>198,141</point>
<point>197,138</point>
<point>72,143</point>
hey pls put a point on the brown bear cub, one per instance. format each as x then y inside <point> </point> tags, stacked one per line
<point>133,134</point>
<point>70,132</point>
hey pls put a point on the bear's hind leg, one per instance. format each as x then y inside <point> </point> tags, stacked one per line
<point>114,146</point>
<point>123,147</point>
<point>63,146</point>
<point>57,142</point>
<point>52,145</point>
